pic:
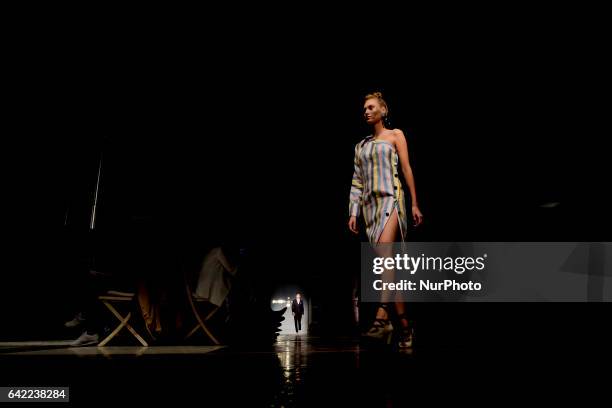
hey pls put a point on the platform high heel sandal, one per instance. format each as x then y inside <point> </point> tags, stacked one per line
<point>406,335</point>
<point>382,329</point>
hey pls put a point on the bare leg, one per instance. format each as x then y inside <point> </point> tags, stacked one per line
<point>387,237</point>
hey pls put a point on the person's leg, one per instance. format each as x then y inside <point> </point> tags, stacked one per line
<point>405,338</point>
<point>93,323</point>
<point>407,331</point>
<point>387,237</point>
<point>390,235</point>
<point>382,328</point>
<point>400,308</point>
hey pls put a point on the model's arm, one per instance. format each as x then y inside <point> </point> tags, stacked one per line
<point>401,146</point>
<point>226,264</point>
<point>356,194</point>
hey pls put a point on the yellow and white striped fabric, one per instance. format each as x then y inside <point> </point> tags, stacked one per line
<point>376,189</point>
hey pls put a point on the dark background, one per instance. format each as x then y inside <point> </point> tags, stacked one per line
<point>206,137</point>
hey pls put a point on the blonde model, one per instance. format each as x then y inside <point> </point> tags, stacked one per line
<point>377,194</point>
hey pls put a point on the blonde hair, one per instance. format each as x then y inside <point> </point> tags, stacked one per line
<point>377,95</point>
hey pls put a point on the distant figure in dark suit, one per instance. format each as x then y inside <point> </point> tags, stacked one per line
<point>297,308</point>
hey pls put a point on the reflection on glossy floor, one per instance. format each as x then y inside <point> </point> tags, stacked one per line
<point>133,351</point>
<point>287,348</point>
<point>293,372</point>
<point>297,371</point>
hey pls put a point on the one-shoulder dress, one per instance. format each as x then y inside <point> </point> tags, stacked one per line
<point>376,189</point>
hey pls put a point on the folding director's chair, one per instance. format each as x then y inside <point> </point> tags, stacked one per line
<point>200,322</point>
<point>112,298</point>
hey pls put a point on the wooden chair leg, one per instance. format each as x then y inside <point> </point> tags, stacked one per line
<point>116,331</point>
<point>212,312</point>
<point>197,326</point>
<point>135,334</point>
<point>129,326</point>
<point>195,329</point>
<point>199,319</point>
<point>123,323</point>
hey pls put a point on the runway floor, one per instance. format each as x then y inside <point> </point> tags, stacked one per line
<point>295,372</point>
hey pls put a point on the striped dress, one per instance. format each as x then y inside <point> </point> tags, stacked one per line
<point>376,189</point>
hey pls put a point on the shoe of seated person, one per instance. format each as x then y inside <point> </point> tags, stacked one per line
<point>86,339</point>
<point>77,320</point>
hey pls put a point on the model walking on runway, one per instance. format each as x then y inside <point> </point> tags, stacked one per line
<point>377,194</point>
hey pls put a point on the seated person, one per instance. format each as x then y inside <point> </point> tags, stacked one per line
<point>214,280</point>
<point>225,279</point>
